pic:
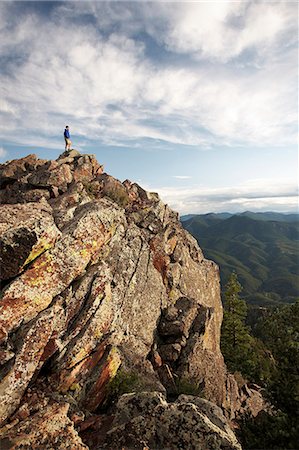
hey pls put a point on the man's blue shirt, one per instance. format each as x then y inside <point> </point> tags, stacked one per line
<point>66,133</point>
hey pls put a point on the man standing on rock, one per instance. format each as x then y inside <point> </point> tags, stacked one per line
<point>67,138</point>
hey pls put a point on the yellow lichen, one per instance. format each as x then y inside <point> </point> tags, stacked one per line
<point>206,339</point>
<point>84,252</point>
<point>79,356</point>
<point>42,245</point>
<point>114,361</point>
<point>35,275</point>
<point>42,300</point>
<point>75,387</point>
<point>112,229</point>
<point>97,334</point>
<point>173,295</point>
<point>89,250</point>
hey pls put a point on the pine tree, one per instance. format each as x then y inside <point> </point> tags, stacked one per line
<point>236,342</point>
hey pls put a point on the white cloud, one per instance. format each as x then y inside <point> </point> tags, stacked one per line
<point>182,177</point>
<point>253,195</point>
<point>222,30</point>
<point>104,84</point>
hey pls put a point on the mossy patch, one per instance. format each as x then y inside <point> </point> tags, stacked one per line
<point>92,190</point>
<point>124,382</point>
<point>186,386</point>
<point>75,387</point>
<point>118,195</point>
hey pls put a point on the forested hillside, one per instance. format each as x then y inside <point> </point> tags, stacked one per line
<point>267,354</point>
<point>263,252</point>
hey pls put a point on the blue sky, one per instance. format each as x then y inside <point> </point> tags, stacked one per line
<point>194,100</point>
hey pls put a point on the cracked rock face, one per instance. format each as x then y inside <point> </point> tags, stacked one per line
<point>147,420</point>
<point>26,231</point>
<point>98,276</point>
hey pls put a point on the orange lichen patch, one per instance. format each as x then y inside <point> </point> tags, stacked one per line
<point>160,264</point>
<point>52,272</point>
<point>92,249</point>
<point>49,350</point>
<point>69,378</point>
<point>99,290</point>
<point>35,275</point>
<point>49,427</point>
<point>98,392</point>
<point>14,384</point>
<point>88,341</point>
<point>8,306</point>
<point>18,374</point>
<point>160,259</point>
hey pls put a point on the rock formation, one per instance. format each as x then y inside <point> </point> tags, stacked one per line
<point>98,279</point>
<point>146,420</point>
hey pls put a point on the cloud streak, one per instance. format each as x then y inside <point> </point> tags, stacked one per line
<point>3,153</point>
<point>253,195</point>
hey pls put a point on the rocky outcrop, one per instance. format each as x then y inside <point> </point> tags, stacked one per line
<point>99,276</point>
<point>146,420</point>
<point>26,231</point>
<point>48,428</point>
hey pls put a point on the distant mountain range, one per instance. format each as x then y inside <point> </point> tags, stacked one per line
<point>263,248</point>
<point>267,216</point>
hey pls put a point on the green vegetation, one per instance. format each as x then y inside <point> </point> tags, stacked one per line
<point>242,352</point>
<point>262,248</point>
<point>235,339</point>
<point>118,195</point>
<point>185,386</point>
<point>279,331</point>
<point>269,356</point>
<point>124,382</point>
<point>268,431</point>
<point>91,189</point>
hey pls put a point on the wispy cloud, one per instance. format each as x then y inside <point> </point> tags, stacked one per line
<point>182,177</point>
<point>3,153</point>
<point>229,76</point>
<point>253,195</point>
<point>225,30</point>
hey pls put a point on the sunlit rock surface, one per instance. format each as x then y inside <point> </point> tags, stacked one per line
<point>99,276</point>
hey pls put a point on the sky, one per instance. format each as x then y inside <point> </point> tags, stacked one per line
<point>197,101</point>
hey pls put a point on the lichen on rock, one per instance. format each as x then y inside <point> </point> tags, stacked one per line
<point>99,276</point>
<point>146,420</point>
